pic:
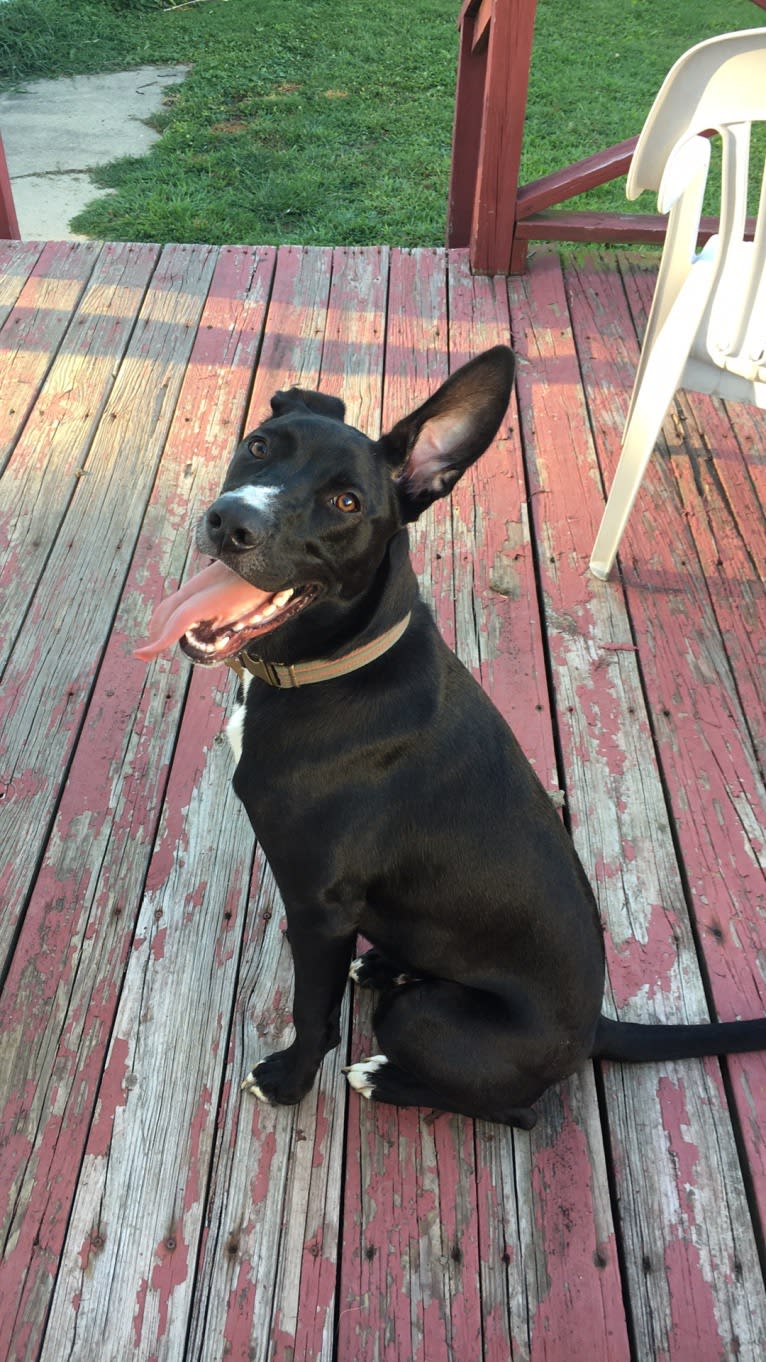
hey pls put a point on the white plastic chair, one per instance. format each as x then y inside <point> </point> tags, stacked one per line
<point>707,325</point>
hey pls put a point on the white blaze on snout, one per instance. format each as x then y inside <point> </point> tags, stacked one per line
<point>255,498</point>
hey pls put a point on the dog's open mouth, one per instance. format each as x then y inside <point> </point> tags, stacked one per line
<point>216,614</point>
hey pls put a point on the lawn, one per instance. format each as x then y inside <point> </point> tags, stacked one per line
<point>330,123</point>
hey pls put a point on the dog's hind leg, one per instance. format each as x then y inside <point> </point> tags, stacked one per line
<point>456,1049</point>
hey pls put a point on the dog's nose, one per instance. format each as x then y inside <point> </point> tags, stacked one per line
<point>231,524</point>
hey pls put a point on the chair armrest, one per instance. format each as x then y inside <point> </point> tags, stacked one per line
<point>685,162</point>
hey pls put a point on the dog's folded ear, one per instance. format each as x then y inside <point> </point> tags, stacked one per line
<point>293,399</point>
<point>430,449</point>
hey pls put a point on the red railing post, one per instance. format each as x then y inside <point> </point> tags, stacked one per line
<point>493,75</point>
<point>9,223</point>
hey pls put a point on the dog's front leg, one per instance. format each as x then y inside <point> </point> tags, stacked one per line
<point>321,960</point>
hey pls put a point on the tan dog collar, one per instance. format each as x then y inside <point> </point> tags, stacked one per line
<point>286,675</point>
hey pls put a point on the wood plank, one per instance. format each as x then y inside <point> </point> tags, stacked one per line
<point>544,1196</point>
<point>716,793</point>
<point>409,1274</point>
<point>292,350</point>
<point>51,454</point>
<point>50,673</point>
<point>689,1249</point>
<point>128,1265</point>
<point>355,334</point>
<point>58,1006</point>
<point>266,1284</point>
<point>17,260</point>
<point>33,329</point>
<point>566,225</point>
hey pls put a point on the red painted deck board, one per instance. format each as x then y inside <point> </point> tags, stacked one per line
<point>148,1210</point>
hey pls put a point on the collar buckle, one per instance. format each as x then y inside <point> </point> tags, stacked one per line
<point>278,674</point>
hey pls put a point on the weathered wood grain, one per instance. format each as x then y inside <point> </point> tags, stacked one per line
<point>690,1257</point>
<point>17,260</point>
<point>34,326</point>
<point>50,673</point>
<point>355,334</point>
<point>266,1283</point>
<point>60,998</point>
<point>128,1265</point>
<point>51,454</point>
<point>698,630</point>
<point>544,1196</point>
<point>747,423</point>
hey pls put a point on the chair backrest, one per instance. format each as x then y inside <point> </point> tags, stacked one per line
<point>718,86</point>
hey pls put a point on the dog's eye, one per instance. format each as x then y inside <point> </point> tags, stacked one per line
<point>257,447</point>
<point>346,501</point>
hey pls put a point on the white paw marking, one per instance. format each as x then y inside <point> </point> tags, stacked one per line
<point>355,968</point>
<point>361,1076</point>
<point>250,1084</point>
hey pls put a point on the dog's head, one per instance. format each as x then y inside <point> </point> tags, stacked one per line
<point>309,503</point>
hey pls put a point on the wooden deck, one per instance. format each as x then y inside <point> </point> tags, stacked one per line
<point>149,1210</point>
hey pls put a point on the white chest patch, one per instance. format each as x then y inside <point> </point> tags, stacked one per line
<point>235,727</point>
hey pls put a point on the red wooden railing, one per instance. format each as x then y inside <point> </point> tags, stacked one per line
<point>488,210</point>
<point>9,223</point>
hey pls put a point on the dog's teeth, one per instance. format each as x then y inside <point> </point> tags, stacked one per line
<point>282,597</point>
<point>270,609</point>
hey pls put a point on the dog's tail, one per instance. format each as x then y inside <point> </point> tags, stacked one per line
<point>633,1042</point>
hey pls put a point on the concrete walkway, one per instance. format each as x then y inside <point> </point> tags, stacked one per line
<point>55,131</point>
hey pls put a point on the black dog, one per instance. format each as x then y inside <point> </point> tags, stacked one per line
<point>387,792</point>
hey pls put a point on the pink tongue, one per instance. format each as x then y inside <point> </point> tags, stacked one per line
<point>214,596</point>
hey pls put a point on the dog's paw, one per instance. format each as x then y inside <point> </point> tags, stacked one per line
<point>361,1076</point>
<point>372,970</point>
<point>274,1080</point>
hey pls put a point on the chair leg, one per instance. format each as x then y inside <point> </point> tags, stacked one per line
<point>660,373</point>
<point>639,439</point>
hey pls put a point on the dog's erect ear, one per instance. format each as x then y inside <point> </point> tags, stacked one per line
<point>430,449</point>
<point>295,399</point>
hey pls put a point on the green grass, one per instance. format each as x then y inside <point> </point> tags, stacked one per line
<point>330,121</point>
